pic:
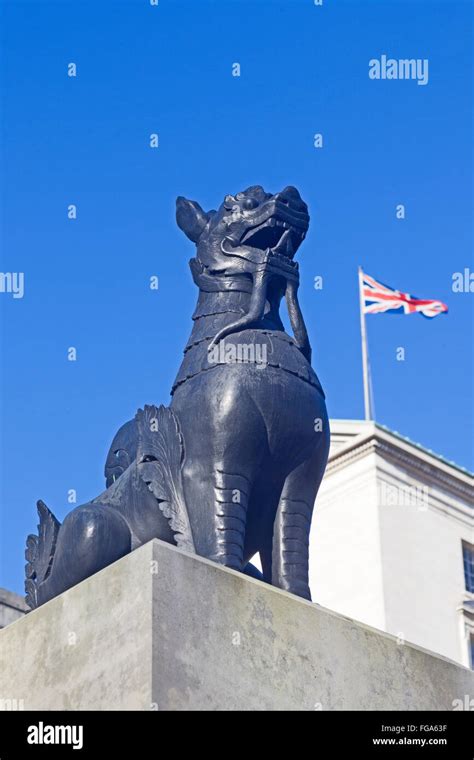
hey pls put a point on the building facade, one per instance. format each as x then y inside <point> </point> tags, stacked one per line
<point>392,539</point>
<point>12,607</point>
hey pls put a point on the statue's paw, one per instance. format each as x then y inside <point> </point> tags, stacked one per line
<point>294,586</point>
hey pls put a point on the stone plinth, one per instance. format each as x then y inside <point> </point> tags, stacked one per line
<point>162,629</point>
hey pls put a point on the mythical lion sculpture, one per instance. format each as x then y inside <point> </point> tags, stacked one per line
<point>232,467</point>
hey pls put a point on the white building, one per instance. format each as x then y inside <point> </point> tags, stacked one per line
<point>392,539</point>
<point>12,607</point>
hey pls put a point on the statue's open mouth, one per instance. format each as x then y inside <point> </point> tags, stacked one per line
<point>275,227</point>
<point>276,235</point>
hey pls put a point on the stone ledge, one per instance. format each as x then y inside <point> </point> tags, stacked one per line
<point>163,629</point>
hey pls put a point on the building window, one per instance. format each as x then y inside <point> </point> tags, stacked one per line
<point>468,558</point>
<point>471,650</point>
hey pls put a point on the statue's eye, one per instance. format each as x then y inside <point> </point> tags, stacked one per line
<point>249,203</point>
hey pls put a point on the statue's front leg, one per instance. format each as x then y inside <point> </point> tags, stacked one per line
<point>223,444</point>
<point>290,547</point>
<point>231,494</point>
<point>218,516</point>
<point>290,555</point>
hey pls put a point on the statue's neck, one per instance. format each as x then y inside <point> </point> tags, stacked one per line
<point>221,302</point>
<point>215,310</point>
<point>224,300</point>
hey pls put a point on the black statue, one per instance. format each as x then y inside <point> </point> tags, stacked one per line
<point>231,468</point>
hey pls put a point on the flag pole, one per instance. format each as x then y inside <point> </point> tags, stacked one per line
<point>365,354</point>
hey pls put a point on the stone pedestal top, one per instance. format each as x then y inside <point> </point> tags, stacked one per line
<point>163,629</point>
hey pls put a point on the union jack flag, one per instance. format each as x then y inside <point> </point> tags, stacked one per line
<point>379,298</point>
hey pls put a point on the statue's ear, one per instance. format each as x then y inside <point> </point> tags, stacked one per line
<point>190,218</point>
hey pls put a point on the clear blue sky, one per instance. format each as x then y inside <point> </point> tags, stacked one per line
<point>168,69</point>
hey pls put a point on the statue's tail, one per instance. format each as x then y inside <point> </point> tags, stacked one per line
<point>40,552</point>
<point>160,454</point>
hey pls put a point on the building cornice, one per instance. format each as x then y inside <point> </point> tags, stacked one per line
<point>376,440</point>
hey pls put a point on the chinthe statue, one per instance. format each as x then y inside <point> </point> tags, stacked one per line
<point>232,467</point>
